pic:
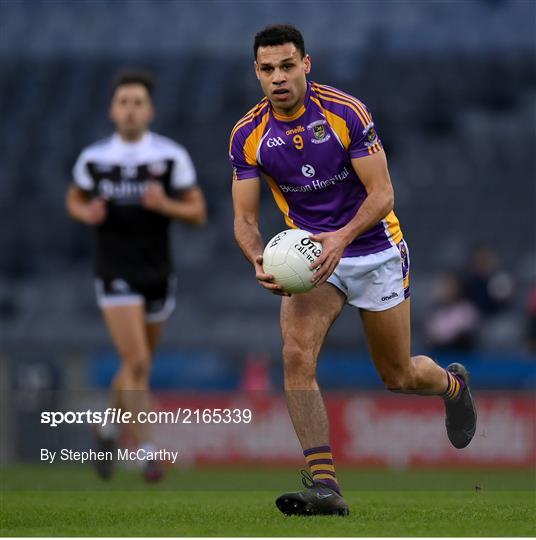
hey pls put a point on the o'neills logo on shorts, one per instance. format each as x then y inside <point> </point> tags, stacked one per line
<point>390,297</point>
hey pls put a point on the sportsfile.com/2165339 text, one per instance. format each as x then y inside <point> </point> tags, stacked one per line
<point>112,415</point>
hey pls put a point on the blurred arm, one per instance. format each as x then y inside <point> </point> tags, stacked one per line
<point>189,208</point>
<point>82,207</point>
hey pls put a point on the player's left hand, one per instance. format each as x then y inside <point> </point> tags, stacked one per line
<point>154,198</point>
<point>333,245</point>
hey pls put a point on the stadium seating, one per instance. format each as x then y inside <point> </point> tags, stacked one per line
<point>456,124</point>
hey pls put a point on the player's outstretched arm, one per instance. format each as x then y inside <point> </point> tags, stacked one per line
<point>189,208</point>
<point>246,197</point>
<point>82,207</point>
<point>373,173</point>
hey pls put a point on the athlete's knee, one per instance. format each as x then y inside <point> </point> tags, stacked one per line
<point>299,363</point>
<point>136,369</point>
<point>401,379</point>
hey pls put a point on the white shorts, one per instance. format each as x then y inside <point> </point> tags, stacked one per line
<point>374,282</point>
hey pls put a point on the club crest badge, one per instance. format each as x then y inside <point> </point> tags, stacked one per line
<point>319,132</point>
<point>371,137</point>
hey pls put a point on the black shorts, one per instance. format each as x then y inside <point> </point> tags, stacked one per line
<point>158,298</point>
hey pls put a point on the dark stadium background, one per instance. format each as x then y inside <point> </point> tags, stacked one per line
<point>452,87</point>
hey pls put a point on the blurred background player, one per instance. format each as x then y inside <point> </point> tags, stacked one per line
<point>129,187</point>
<point>327,170</point>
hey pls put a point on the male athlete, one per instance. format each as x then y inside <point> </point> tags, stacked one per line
<point>129,187</point>
<point>319,151</point>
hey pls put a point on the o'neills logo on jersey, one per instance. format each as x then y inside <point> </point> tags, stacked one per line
<point>124,191</point>
<point>295,131</point>
<point>316,184</point>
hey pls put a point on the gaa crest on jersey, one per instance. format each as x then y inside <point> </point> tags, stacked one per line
<point>275,141</point>
<point>319,131</point>
<point>370,135</point>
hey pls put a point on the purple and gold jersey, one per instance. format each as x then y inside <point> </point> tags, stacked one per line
<point>306,159</point>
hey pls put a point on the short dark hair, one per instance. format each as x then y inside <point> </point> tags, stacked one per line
<point>134,76</point>
<point>279,34</point>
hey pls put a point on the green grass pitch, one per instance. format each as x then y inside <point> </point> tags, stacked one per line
<point>70,501</point>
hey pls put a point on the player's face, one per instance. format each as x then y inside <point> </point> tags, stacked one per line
<point>282,73</point>
<point>131,110</point>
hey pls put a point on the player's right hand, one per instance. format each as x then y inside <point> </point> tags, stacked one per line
<point>96,212</point>
<point>267,280</point>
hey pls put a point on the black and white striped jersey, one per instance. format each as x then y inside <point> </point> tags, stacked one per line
<point>133,243</point>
